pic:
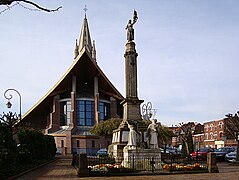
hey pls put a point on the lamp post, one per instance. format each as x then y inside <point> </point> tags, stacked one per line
<point>9,104</point>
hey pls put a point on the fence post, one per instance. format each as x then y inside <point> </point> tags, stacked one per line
<point>73,162</point>
<point>152,162</point>
<point>197,156</point>
<point>133,161</point>
<point>212,163</point>
<point>83,170</point>
<point>171,162</point>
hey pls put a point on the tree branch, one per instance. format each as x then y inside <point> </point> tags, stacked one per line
<point>8,2</point>
<point>41,8</point>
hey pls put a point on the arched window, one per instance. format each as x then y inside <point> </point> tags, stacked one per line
<point>220,125</point>
<point>211,127</point>
<point>211,135</point>
<point>220,134</point>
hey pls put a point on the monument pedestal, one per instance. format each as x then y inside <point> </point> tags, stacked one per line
<point>119,141</point>
<point>142,159</point>
<point>132,109</point>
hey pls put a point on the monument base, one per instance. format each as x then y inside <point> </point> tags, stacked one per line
<point>119,141</point>
<point>142,159</point>
<point>116,151</point>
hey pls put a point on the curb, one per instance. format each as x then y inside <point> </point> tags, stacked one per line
<point>32,169</point>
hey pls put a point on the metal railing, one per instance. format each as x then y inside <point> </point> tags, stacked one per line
<point>134,164</point>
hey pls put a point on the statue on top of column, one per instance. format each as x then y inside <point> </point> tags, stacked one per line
<point>129,27</point>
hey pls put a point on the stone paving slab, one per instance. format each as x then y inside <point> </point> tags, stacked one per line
<point>62,169</point>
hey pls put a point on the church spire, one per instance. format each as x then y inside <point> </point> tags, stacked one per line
<point>94,51</point>
<point>76,53</point>
<point>85,40</point>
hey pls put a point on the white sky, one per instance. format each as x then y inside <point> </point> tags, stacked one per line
<point>187,52</point>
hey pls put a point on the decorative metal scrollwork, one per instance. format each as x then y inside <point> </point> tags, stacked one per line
<point>148,112</point>
<point>9,97</point>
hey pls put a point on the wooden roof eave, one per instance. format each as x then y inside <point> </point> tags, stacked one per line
<point>56,85</point>
<point>49,93</point>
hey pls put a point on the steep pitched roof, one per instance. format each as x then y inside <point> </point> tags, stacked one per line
<point>77,68</point>
<point>84,67</point>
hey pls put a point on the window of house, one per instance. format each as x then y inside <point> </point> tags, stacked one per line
<point>220,125</point>
<point>78,143</point>
<point>93,143</point>
<point>211,135</point>
<point>211,127</point>
<point>104,109</point>
<point>206,135</point>
<point>85,113</point>
<point>206,127</point>
<point>221,134</point>
<point>62,143</point>
<point>65,113</point>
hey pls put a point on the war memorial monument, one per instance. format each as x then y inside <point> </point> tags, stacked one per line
<point>132,139</point>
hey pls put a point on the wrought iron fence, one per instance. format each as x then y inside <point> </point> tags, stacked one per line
<point>133,164</point>
<point>179,158</point>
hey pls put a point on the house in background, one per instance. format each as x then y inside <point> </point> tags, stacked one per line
<point>198,136</point>
<point>83,97</point>
<point>216,136</point>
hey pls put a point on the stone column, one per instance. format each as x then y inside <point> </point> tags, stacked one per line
<point>72,124</point>
<point>131,70</point>
<point>96,96</point>
<point>73,103</point>
<point>131,103</point>
<point>83,170</point>
<point>54,120</point>
<point>212,162</point>
<point>73,113</point>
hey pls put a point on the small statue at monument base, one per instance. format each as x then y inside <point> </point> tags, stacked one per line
<point>152,135</point>
<point>132,138</point>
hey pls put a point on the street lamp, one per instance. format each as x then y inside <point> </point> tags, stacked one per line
<point>9,104</point>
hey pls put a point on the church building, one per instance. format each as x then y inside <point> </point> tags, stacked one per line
<point>83,97</point>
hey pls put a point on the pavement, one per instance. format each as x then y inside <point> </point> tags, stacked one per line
<point>62,169</point>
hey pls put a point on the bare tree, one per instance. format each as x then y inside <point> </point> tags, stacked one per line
<point>232,128</point>
<point>9,120</point>
<point>185,132</point>
<point>9,2</point>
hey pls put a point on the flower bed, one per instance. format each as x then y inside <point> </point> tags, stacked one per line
<point>117,169</point>
<point>108,168</point>
<point>184,167</point>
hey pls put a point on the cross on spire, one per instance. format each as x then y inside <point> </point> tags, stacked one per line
<point>85,9</point>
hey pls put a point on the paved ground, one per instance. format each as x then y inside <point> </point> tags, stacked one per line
<point>62,169</point>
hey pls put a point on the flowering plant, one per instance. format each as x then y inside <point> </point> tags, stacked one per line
<point>183,167</point>
<point>108,168</point>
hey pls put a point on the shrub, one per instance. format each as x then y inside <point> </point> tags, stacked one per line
<point>37,145</point>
